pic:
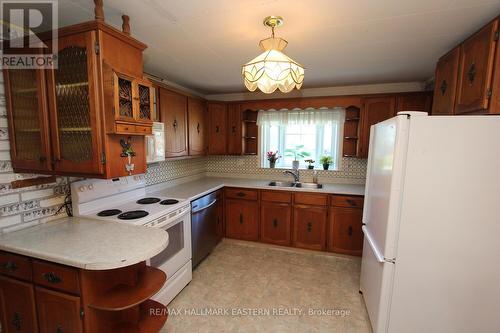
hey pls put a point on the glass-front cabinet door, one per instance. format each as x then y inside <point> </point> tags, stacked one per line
<point>28,119</point>
<point>74,106</point>
<point>145,100</point>
<point>124,101</point>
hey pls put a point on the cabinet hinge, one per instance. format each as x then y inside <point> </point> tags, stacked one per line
<point>497,35</point>
<point>489,93</point>
<point>103,158</point>
<point>97,47</point>
<point>82,313</point>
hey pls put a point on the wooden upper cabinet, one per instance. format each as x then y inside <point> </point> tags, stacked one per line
<point>234,138</point>
<point>414,102</point>
<point>28,119</point>
<point>173,110</point>
<point>217,128</point>
<point>74,107</point>
<point>17,304</point>
<point>58,312</point>
<point>375,110</point>
<point>477,56</point>
<point>446,83</point>
<point>197,127</point>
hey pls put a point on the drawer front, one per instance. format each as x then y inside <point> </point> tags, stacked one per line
<point>143,129</point>
<point>16,266</point>
<point>122,128</point>
<point>240,193</point>
<point>346,201</point>
<point>56,276</point>
<point>311,199</point>
<point>276,196</point>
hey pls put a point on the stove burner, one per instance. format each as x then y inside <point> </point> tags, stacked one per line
<point>133,214</point>
<point>147,201</point>
<point>109,212</point>
<point>169,202</point>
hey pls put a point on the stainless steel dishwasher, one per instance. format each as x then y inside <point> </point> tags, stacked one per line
<point>204,214</point>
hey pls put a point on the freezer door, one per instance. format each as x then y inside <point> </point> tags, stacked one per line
<point>386,166</point>
<point>376,284</point>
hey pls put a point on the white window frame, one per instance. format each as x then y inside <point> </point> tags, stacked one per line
<point>336,143</point>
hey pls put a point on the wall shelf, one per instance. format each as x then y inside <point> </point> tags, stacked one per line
<point>351,131</point>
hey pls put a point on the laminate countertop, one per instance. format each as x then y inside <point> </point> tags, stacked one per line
<point>87,244</point>
<point>197,188</point>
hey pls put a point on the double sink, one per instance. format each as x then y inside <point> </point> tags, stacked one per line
<point>296,184</point>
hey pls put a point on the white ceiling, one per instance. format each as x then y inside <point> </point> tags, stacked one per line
<point>201,44</point>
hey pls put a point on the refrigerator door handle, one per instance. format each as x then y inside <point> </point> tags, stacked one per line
<point>376,252</point>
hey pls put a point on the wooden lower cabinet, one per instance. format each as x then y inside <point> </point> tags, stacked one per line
<point>275,223</point>
<point>309,227</point>
<point>17,306</point>
<point>242,219</point>
<point>58,312</point>
<point>113,300</point>
<point>344,231</point>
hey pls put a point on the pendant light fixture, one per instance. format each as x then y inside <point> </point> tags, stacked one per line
<point>272,69</point>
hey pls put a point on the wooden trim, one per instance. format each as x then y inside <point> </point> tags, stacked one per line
<point>32,182</point>
<point>95,25</point>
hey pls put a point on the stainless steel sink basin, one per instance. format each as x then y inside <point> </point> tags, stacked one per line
<point>281,184</point>
<point>309,185</point>
<point>300,185</point>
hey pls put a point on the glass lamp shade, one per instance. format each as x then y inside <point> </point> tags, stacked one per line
<point>272,69</point>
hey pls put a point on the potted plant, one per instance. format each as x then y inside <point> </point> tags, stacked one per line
<point>326,160</point>
<point>272,157</point>
<point>311,162</point>
<point>296,153</point>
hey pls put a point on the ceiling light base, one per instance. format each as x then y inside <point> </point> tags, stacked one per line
<point>273,21</point>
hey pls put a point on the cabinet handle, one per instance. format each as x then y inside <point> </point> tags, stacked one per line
<point>218,220</point>
<point>59,329</point>
<point>16,321</point>
<point>443,87</point>
<point>216,128</point>
<point>175,124</point>
<point>51,277</point>
<point>234,129</point>
<point>351,202</point>
<point>42,159</point>
<point>275,223</point>
<point>241,218</point>
<point>10,266</point>
<point>241,194</point>
<point>349,231</point>
<point>309,226</point>
<point>471,74</point>
<point>198,128</point>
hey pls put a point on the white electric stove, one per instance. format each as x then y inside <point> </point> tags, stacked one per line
<point>124,200</point>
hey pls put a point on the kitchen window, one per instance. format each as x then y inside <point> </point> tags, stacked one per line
<point>319,131</point>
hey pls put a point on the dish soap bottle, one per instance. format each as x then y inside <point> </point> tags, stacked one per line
<point>315,176</point>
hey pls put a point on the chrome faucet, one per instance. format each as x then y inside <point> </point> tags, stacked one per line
<point>294,173</point>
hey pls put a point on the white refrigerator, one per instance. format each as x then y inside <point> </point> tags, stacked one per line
<point>431,221</point>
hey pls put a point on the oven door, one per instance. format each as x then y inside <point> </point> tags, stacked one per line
<point>178,251</point>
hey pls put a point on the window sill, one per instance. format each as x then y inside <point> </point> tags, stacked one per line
<point>300,169</point>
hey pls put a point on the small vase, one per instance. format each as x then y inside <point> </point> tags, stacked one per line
<point>326,166</point>
<point>295,165</point>
<point>272,164</point>
<point>310,167</point>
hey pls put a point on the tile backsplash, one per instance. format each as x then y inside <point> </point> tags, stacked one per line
<point>27,206</point>
<point>352,170</point>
